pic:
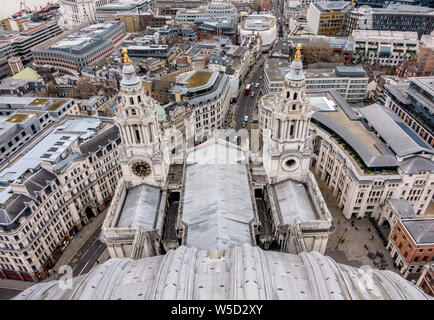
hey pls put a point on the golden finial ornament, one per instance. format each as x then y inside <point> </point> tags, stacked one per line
<point>297,55</point>
<point>126,58</point>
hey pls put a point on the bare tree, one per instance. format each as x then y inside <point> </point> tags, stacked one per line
<point>52,89</point>
<point>320,51</point>
<point>84,89</point>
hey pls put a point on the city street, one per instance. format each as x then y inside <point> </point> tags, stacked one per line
<point>85,258</point>
<point>84,250</point>
<point>7,294</point>
<point>246,103</point>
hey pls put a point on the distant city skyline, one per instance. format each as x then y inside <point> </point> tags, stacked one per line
<point>10,7</point>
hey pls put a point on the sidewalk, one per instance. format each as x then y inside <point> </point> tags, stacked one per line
<point>346,243</point>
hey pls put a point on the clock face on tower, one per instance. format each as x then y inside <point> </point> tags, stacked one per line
<point>141,168</point>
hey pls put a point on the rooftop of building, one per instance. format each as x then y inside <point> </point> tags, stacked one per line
<point>150,47</point>
<point>427,40</point>
<point>404,209</point>
<point>393,36</point>
<point>10,84</point>
<point>425,83</point>
<point>18,117</point>
<point>421,230</point>
<point>375,138</point>
<point>198,79</point>
<point>258,22</point>
<point>398,90</point>
<point>50,148</point>
<point>393,130</point>
<point>397,8</point>
<point>100,140</point>
<point>80,39</point>
<point>333,6</point>
<point>337,72</point>
<point>217,206</point>
<point>197,82</point>
<point>33,104</point>
<point>294,202</point>
<point>277,68</point>
<point>123,6</point>
<point>140,208</point>
<point>27,73</point>
<point>335,42</point>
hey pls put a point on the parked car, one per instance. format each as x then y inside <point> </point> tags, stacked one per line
<point>257,85</point>
<point>253,94</point>
<point>246,118</point>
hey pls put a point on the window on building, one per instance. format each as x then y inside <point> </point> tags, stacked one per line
<point>138,135</point>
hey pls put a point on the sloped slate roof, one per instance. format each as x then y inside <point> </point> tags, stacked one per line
<point>368,157</point>
<point>13,210</point>
<point>394,131</point>
<point>403,207</point>
<point>39,181</point>
<point>99,140</point>
<point>422,230</point>
<point>416,164</point>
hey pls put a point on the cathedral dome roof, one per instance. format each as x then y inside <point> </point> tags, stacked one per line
<point>243,272</point>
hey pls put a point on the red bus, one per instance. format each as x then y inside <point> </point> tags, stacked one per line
<point>247,90</point>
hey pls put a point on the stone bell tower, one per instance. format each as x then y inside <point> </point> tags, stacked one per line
<point>285,126</point>
<point>142,157</point>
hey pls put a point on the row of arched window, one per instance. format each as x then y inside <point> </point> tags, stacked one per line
<point>139,100</point>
